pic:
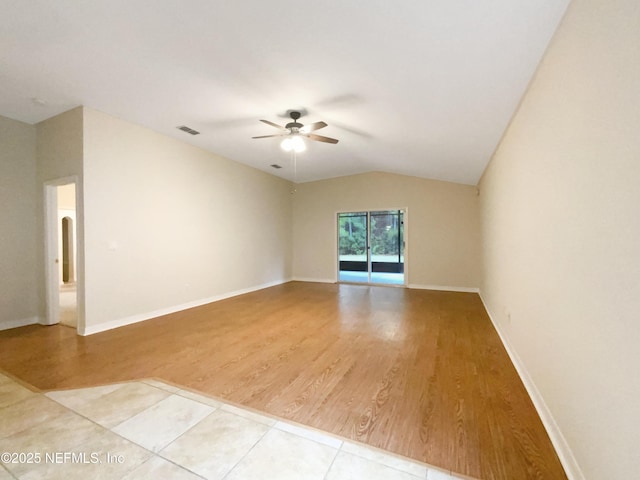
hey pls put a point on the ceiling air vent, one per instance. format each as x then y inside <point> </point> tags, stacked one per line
<point>276,166</point>
<point>190,131</point>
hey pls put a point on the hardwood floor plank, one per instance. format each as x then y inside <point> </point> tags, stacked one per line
<point>419,373</point>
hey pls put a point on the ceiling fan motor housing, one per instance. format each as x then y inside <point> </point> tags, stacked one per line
<point>295,124</point>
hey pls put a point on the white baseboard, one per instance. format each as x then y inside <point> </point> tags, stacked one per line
<point>314,280</point>
<point>121,322</point>
<point>571,467</point>
<point>444,288</point>
<point>21,322</point>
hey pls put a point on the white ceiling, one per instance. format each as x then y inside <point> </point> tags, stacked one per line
<point>416,87</point>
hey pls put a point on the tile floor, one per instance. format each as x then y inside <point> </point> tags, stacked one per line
<point>149,429</point>
<point>376,277</point>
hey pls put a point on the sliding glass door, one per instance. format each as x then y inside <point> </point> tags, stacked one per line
<point>371,247</point>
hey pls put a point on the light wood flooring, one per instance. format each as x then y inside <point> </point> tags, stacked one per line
<point>419,373</point>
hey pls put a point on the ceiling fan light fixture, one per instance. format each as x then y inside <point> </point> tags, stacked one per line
<point>294,143</point>
<point>294,131</point>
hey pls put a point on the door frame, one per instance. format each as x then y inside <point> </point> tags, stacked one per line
<point>51,251</point>
<point>405,239</point>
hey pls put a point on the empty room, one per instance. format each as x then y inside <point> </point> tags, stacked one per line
<point>337,240</point>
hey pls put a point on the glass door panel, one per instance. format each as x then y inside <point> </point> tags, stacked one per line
<point>353,247</point>
<point>387,247</point>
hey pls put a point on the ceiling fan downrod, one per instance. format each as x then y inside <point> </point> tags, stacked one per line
<point>294,126</point>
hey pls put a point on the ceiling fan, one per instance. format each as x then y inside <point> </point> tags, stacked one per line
<point>294,131</point>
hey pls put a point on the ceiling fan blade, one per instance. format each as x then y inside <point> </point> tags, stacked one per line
<point>312,127</point>
<point>269,136</point>
<point>273,124</point>
<point>320,138</point>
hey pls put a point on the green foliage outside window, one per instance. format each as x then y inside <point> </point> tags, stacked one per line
<point>384,234</point>
<point>353,235</point>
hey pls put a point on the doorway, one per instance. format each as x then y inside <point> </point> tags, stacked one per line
<point>62,253</point>
<point>371,247</point>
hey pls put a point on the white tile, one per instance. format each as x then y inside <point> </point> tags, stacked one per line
<point>392,461</point>
<point>4,475</point>
<point>433,474</point>
<point>60,433</point>
<point>353,467</point>
<point>286,457</point>
<point>116,406</point>
<point>162,385</point>
<point>27,413</point>
<point>216,444</point>
<point>256,417</point>
<point>64,433</point>
<point>199,398</point>
<point>94,460</point>
<point>159,425</point>
<point>12,392</point>
<point>309,433</point>
<point>159,468</point>
<point>74,398</point>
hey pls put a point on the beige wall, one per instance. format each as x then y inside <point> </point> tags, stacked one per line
<point>18,224</point>
<point>59,156</point>
<point>168,224</point>
<point>561,231</point>
<point>67,197</point>
<point>443,247</point>
<point>59,146</point>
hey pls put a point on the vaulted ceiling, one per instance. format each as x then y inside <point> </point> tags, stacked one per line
<point>416,87</point>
